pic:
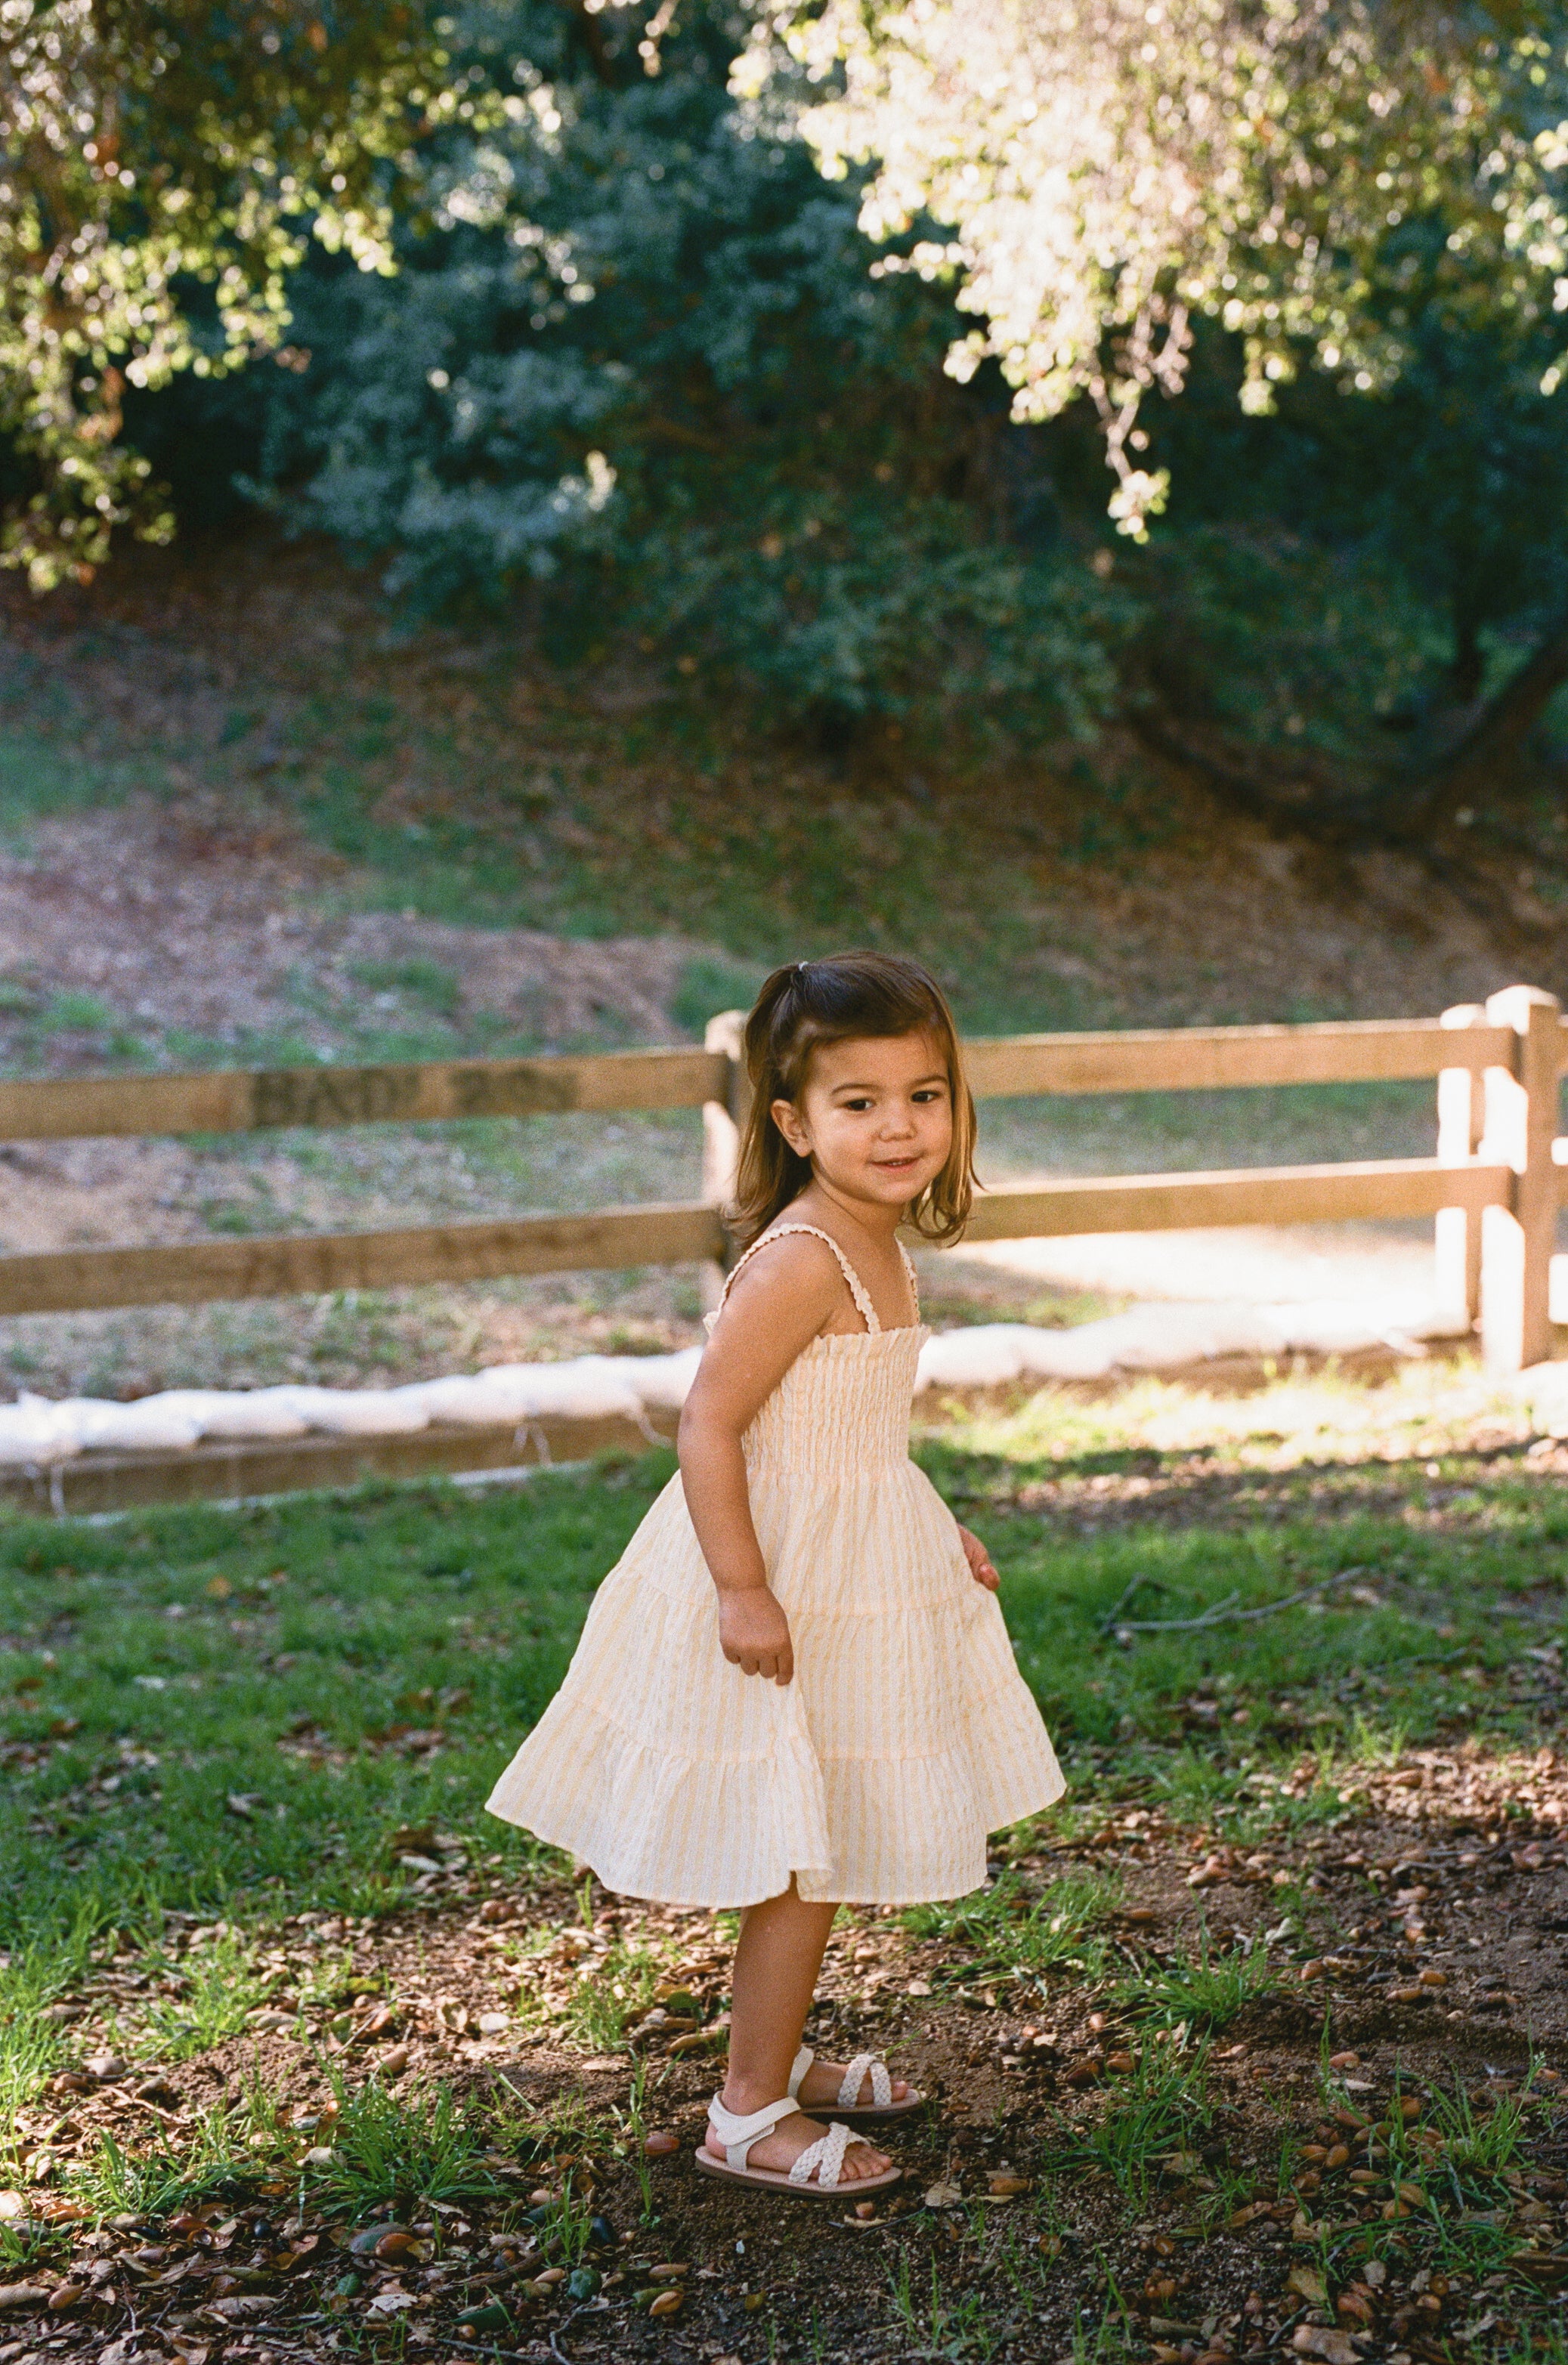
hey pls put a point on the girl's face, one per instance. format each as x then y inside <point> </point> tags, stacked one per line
<point>874,1116</point>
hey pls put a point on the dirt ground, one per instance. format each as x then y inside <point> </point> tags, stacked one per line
<point>1318,2197</point>
<point>218,678</point>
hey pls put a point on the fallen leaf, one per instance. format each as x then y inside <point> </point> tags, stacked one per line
<point>370,2237</point>
<point>13,2296</point>
<point>1322,2340</point>
<point>1308,2284</point>
<point>943,2196</point>
<point>1547,2268</point>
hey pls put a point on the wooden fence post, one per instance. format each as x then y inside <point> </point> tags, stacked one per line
<point>721,1123</point>
<point>1458,1231</point>
<point>1520,1125</point>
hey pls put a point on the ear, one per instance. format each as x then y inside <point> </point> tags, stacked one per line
<point>787,1118</point>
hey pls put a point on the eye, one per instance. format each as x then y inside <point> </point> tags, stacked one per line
<point>862,1102</point>
<point>932,1092</point>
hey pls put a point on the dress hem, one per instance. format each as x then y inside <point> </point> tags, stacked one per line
<point>796,1872</point>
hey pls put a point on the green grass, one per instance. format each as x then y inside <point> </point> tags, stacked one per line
<point>219,1988</point>
<point>206,1710</point>
<point>165,1663</point>
<point>1203,1991</point>
<point>1153,2119</point>
<point>390,2153</point>
<point>1018,1929</point>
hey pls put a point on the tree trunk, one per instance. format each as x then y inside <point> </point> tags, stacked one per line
<point>1404,805</point>
<point>1493,742</point>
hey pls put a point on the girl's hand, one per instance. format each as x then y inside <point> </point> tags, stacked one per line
<point>980,1561</point>
<point>753,1633</point>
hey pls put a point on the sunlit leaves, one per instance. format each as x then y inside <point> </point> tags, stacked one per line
<point>1112,167</point>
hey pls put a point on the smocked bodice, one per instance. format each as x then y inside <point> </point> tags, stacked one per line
<point>841,1412</point>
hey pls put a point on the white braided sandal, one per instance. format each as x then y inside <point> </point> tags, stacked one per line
<point>815,2176</point>
<point>880,2112</point>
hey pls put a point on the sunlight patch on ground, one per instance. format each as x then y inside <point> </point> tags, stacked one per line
<point>1428,1407</point>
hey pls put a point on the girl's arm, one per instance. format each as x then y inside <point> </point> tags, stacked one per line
<point>776,1309</point>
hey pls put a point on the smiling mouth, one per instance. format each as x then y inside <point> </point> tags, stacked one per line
<point>894,1165</point>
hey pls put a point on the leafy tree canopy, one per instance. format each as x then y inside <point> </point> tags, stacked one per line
<point>160,159</point>
<point>1112,169</point>
<point>635,373</point>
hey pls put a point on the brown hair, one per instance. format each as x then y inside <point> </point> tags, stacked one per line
<point>844,998</point>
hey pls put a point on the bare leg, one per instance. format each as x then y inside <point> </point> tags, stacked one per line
<point>776,1963</point>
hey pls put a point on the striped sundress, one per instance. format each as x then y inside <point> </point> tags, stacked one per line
<point>907,1734</point>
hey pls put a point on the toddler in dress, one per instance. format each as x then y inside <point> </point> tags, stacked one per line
<point>796,1690</point>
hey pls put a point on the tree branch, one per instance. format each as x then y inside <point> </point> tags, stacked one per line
<point>1496,737</point>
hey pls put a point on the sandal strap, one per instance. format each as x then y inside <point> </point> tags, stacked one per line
<point>863,2066</point>
<point>804,2060</point>
<point>826,2157</point>
<point>737,2134</point>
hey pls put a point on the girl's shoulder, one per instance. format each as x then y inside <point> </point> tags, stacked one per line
<point>801,1265</point>
<point>788,1255</point>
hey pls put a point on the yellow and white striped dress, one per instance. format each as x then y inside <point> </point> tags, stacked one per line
<point>907,1734</point>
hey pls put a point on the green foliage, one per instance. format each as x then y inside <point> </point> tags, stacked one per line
<point>1016,1928</point>
<point>219,1987</point>
<point>1203,1991</point>
<point>635,373</point>
<point>391,2153</point>
<point>164,164</point>
<point>1162,2108</point>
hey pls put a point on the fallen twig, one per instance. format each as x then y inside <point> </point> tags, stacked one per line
<point>1112,1619</point>
<point>1225,1613</point>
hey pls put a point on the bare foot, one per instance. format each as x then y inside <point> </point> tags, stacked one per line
<point>793,2135</point>
<point>821,2082</point>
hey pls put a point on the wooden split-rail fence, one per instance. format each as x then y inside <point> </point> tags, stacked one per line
<point>1493,1186</point>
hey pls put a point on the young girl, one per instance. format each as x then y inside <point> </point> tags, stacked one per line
<point>796,1689</point>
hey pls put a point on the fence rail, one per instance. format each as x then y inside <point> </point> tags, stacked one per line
<point>1494,1187</point>
<point>1191,1059</point>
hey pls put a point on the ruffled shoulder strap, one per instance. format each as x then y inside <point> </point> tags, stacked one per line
<point>857,1289</point>
<point>914,1280</point>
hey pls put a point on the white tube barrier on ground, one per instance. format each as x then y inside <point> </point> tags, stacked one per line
<point>1152,1337</point>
